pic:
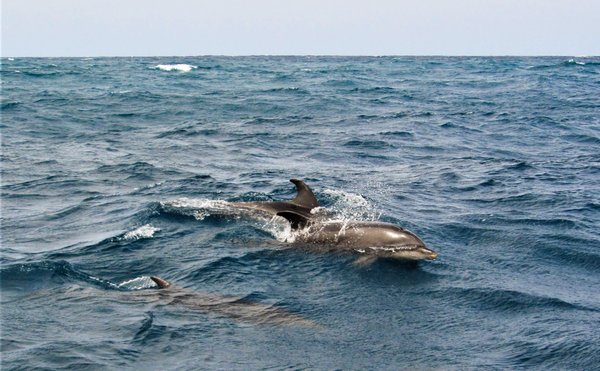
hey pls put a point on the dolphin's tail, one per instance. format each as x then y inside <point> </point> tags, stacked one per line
<point>162,284</point>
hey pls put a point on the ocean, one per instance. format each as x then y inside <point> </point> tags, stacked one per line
<point>116,169</point>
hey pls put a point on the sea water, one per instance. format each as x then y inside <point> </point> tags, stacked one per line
<point>116,169</point>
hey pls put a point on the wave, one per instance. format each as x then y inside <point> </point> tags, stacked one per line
<point>293,89</point>
<point>368,144</point>
<point>181,67</point>
<point>10,105</point>
<point>38,274</point>
<point>568,63</point>
<point>397,134</point>
<point>188,131</point>
<point>506,300</point>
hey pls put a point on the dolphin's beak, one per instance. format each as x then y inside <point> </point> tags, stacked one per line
<point>429,254</point>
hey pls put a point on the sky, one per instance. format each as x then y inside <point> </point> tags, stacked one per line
<point>54,28</point>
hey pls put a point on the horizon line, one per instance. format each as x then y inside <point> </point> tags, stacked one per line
<point>309,55</point>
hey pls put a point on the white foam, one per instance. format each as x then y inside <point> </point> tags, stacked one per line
<point>11,59</point>
<point>576,62</point>
<point>176,67</point>
<point>145,231</point>
<point>138,283</point>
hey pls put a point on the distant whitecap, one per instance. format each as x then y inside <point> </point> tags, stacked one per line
<point>176,67</point>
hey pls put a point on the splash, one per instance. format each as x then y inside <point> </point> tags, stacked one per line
<point>350,206</point>
<point>181,67</point>
<point>199,208</point>
<point>145,231</point>
<point>280,229</point>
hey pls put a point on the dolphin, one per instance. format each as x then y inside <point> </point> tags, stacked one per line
<point>230,306</point>
<point>165,293</point>
<point>301,205</point>
<point>371,240</point>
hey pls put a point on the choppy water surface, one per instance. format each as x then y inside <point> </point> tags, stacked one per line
<point>114,169</point>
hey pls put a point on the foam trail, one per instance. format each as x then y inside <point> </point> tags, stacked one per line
<point>198,208</point>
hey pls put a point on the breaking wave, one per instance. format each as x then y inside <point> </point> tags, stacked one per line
<point>145,231</point>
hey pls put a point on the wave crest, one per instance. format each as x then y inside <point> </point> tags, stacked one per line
<point>138,283</point>
<point>145,231</point>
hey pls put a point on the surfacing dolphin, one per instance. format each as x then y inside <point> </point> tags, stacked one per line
<point>300,207</point>
<point>371,240</point>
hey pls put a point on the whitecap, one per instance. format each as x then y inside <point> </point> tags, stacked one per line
<point>138,283</point>
<point>145,231</point>
<point>11,59</point>
<point>175,67</point>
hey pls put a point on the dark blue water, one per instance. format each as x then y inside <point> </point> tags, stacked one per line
<point>112,169</point>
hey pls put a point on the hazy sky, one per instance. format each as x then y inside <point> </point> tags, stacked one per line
<point>338,27</point>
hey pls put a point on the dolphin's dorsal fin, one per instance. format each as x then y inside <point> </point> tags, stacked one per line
<point>298,221</point>
<point>305,196</point>
<point>162,284</point>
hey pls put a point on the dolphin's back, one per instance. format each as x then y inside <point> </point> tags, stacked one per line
<point>361,234</point>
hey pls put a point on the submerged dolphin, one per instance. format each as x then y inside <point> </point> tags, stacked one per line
<point>371,240</point>
<point>234,307</point>
<point>167,294</point>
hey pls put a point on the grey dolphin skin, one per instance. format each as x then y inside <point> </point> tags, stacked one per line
<point>371,240</point>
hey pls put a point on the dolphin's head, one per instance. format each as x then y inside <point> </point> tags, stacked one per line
<point>390,241</point>
<point>415,253</point>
